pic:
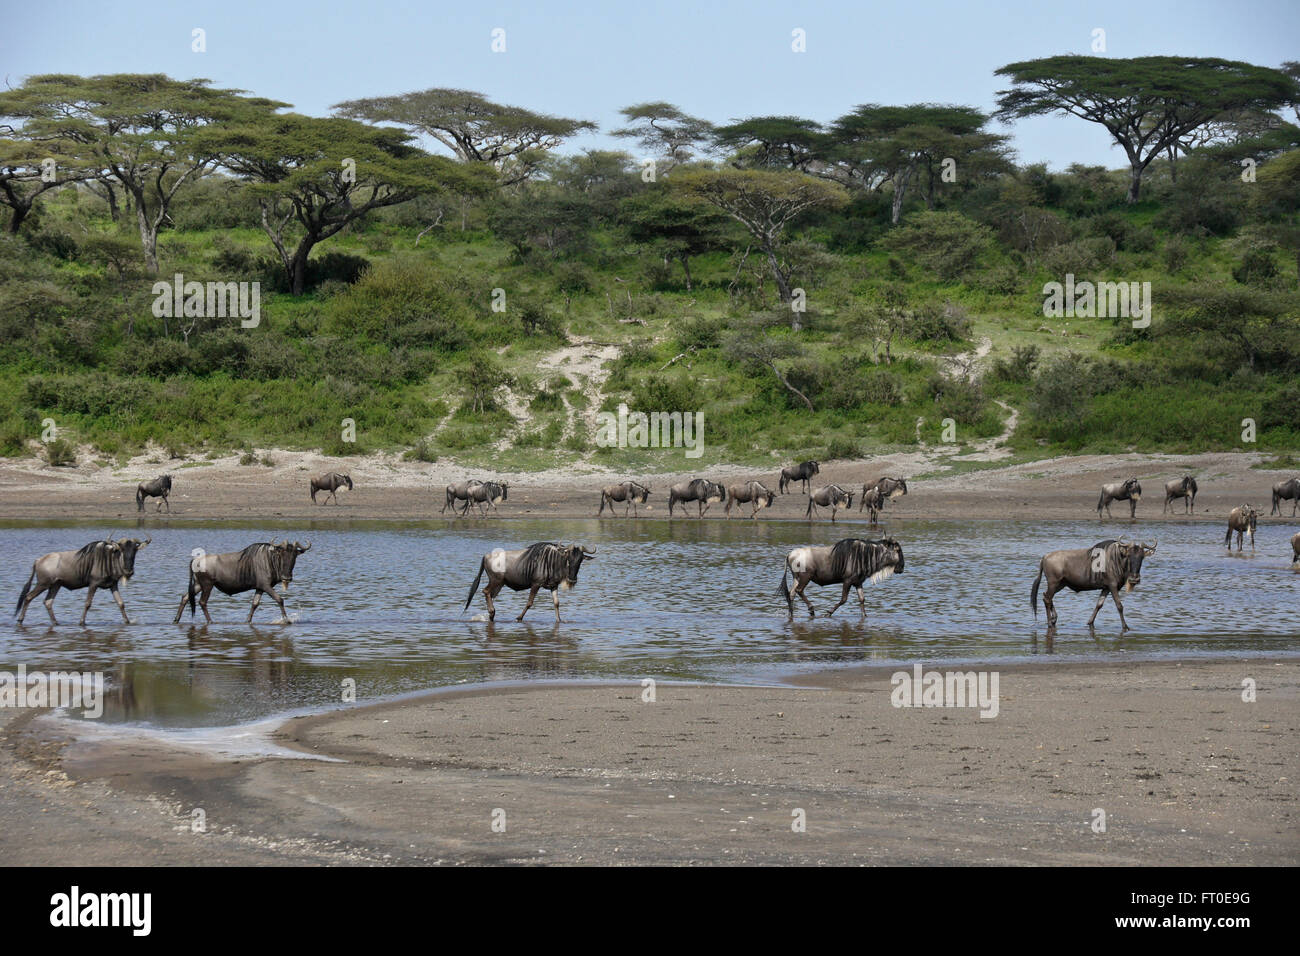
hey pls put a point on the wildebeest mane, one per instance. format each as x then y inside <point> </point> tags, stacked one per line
<point>546,563</point>
<point>851,559</point>
<point>255,558</point>
<point>94,562</point>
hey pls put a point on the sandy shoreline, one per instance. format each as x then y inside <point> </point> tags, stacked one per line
<point>1186,771</point>
<point>389,489</point>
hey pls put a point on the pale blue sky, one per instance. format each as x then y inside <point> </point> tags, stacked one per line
<point>719,59</point>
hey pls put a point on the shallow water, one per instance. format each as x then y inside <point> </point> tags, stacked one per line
<point>382,603</point>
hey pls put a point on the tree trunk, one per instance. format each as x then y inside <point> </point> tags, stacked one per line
<point>686,267</point>
<point>148,238</point>
<point>782,285</point>
<point>1134,182</point>
<point>21,210</point>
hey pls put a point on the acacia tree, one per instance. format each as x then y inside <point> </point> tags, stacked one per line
<point>675,227</point>
<point>512,140</point>
<point>138,131</point>
<point>907,145</point>
<point>667,134</point>
<point>1148,104</point>
<point>27,171</point>
<point>312,177</point>
<point>1276,195</point>
<point>764,202</point>
<point>773,142</point>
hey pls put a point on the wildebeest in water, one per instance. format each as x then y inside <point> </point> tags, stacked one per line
<point>849,562</point>
<point>800,472</point>
<point>750,493</point>
<point>1242,520</point>
<point>158,488</point>
<point>259,567</point>
<point>100,564</point>
<point>1107,567</point>
<point>457,493</point>
<point>700,490</point>
<point>1128,490</point>
<point>542,565</point>
<point>1289,489</point>
<point>1295,548</point>
<point>1184,488</point>
<point>330,481</point>
<point>829,496</point>
<point>627,491</point>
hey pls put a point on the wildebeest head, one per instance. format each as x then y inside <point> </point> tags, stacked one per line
<point>1132,488</point>
<point>1130,555</point>
<point>1251,517</point>
<point>893,555</point>
<point>129,547</point>
<point>575,554</point>
<point>284,555</point>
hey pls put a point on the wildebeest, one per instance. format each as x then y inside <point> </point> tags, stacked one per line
<point>829,496</point>
<point>100,564</point>
<point>458,492</point>
<point>1107,566</point>
<point>628,491</point>
<point>485,493</point>
<point>751,492</point>
<point>259,567</point>
<point>848,562</point>
<point>876,494</point>
<point>330,481</point>
<point>1295,548</point>
<point>1128,490</point>
<point>158,488</point>
<point>700,490</point>
<point>1184,488</point>
<point>542,565</point>
<point>800,472</point>
<point>1286,489</point>
<point>1242,520</point>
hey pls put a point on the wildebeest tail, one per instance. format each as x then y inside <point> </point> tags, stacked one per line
<point>26,589</point>
<point>474,587</point>
<point>194,588</point>
<point>785,588</point>
<point>1033,594</point>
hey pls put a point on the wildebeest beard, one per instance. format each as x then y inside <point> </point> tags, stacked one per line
<point>550,564</point>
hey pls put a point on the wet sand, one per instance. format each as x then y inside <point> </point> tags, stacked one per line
<point>1186,772</point>
<point>387,488</point>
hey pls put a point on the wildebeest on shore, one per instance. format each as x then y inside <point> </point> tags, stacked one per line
<point>542,565</point>
<point>259,567</point>
<point>1107,566</point>
<point>1289,489</point>
<point>1243,520</point>
<point>849,562</point>
<point>878,492</point>
<point>100,564</point>
<point>828,496</point>
<point>1185,488</point>
<point>699,490</point>
<point>800,472</point>
<point>750,493</point>
<point>628,491</point>
<point>158,488</point>
<point>331,481</point>
<point>485,494</point>
<point>1127,490</point>
<point>457,493</point>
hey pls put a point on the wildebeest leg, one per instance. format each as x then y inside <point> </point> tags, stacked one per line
<point>31,596</point>
<point>489,592</point>
<point>532,594</point>
<point>284,614</point>
<point>1114,593</point>
<point>844,596</point>
<point>1048,604</point>
<point>862,600</point>
<point>168,502</point>
<point>90,596</point>
<point>1132,508</point>
<point>49,601</point>
<point>800,584</point>
<point>121,605</point>
<point>257,599</point>
<point>555,599</point>
<point>1097,610</point>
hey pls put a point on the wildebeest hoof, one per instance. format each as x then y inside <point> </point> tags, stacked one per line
<point>519,618</point>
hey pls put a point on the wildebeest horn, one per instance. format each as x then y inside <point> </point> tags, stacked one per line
<point>587,551</point>
<point>306,547</point>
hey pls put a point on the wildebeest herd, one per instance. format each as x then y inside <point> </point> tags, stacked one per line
<point>1109,566</point>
